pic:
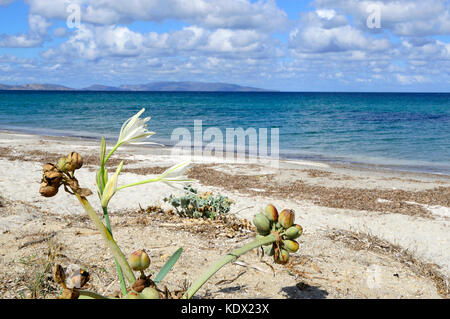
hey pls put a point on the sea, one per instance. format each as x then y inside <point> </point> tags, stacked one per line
<point>401,131</point>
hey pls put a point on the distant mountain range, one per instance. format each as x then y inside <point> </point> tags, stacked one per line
<point>154,86</point>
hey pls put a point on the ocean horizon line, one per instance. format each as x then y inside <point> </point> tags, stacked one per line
<point>266,91</point>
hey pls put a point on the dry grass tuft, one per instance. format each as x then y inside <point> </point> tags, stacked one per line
<point>37,282</point>
<point>361,241</point>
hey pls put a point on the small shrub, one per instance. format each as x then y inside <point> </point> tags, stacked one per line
<point>204,205</point>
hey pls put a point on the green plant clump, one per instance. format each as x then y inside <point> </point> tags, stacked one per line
<point>205,205</point>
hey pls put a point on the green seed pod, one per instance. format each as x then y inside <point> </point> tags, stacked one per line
<point>283,257</point>
<point>139,260</point>
<point>286,218</point>
<point>262,224</point>
<point>271,213</point>
<point>150,293</point>
<point>291,246</point>
<point>63,164</point>
<point>269,251</point>
<point>294,232</point>
<point>132,295</point>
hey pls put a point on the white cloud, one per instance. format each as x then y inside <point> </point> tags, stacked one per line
<point>401,17</point>
<point>410,79</point>
<point>229,14</point>
<point>38,25</point>
<point>19,41</point>
<point>94,42</point>
<point>321,32</point>
<point>38,28</point>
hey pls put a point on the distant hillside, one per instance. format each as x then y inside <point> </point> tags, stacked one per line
<point>190,86</point>
<point>98,87</point>
<point>35,87</point>
<point>154,86</point>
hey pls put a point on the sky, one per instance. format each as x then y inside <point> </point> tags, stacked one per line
<point>286,45</point>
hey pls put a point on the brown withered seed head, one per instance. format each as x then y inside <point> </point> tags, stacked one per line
<point>70,294</point>
<point>49,168</point>
<point>140,285</point>
<point>53,178</point>
<point>75,161</point>
<point>79,279</point>
<point>59,274</point>
<point>47,190</point>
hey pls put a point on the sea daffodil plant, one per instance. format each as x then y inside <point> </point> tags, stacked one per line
<point>277,231</point>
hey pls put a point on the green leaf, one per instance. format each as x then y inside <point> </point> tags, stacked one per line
<point>102,152</point>
<point>168,266</point>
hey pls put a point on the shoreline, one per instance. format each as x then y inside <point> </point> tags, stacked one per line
<point>301,160</point>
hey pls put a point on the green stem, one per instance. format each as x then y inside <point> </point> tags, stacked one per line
<point>111,153</point>
<point>235,254</point>
<point>119,269</point>
<point>115,250</point>
<point>92,295</point>
<point>154,180</point>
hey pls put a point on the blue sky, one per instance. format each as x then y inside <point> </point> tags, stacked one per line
<point>313,45</point>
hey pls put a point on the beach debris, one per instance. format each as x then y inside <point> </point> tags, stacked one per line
<point>77,279</point>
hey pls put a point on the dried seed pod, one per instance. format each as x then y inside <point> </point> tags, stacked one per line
<point>70,294</point>
<point>53,178</point>
<point>59,274</point>
<point>262,224</point>
<point>286,218</point>
<point>294,232</point>
<point>75,161</point>
<point>271,213</point>
<point>49,168</point>
<point>150,293</point>
<point>79,279</point>
<point>139,260</point>
<point>47,190</point>
<point>291,246</point>
<point>140,285</point>
<point>84,192</point>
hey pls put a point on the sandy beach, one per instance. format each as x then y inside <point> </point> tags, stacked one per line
<point>369,232</point>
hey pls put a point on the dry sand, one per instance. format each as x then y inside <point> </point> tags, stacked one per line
<point>369,233</point>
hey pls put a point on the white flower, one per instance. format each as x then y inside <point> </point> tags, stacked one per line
<point>134,130</point>
<point>111,187</point>
<point>176,174</point>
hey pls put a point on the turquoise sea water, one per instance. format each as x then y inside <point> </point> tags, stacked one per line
<point>406,131</point>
